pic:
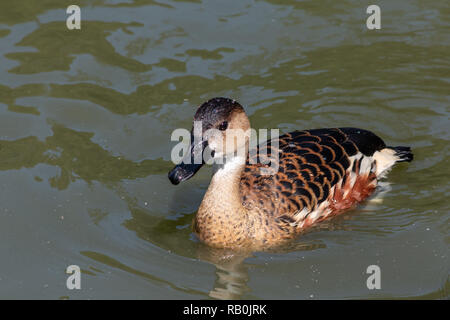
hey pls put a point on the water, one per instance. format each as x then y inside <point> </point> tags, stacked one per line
<point>85,123</point>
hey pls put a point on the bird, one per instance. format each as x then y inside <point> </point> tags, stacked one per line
<point>264,196</point>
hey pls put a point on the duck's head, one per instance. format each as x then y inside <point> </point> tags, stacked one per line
<point>219,124</point>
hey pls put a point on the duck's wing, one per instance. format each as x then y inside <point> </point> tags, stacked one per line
<point>313,166</point>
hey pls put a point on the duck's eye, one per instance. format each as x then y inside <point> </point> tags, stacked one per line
<point>223,126</point>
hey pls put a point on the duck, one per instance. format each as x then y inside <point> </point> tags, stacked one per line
<point>253,204</point>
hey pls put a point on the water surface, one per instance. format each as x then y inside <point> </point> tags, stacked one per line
<point>85,123</point>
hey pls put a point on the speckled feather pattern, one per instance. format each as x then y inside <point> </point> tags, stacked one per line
<point>311,164</point>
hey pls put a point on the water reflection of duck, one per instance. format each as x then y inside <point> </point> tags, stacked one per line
<point>319,174</point>
<point>232,271</point>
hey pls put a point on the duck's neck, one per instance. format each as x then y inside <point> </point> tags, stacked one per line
<point>223,191</point>
<point>221,213</point>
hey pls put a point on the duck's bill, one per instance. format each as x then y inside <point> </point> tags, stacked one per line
<point>191,163</point>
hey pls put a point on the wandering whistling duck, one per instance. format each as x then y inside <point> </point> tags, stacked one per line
<point>251,203</point>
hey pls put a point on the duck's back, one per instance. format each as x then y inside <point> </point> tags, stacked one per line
<point>320,173</point>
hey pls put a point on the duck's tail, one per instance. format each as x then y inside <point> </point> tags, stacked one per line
<point>403,153</point>
<point>389,156</point>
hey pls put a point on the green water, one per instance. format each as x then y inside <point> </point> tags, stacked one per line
<point>85,123</point>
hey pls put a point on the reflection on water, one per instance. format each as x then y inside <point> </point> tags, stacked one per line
<point>232,273</point>
<point>51,37</point>
<point>85,124</point>
<point>118,265</point>
<point>76,156</point>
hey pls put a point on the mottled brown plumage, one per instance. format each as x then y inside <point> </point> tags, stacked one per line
<point>320,173</point>
<point>311,163</point>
